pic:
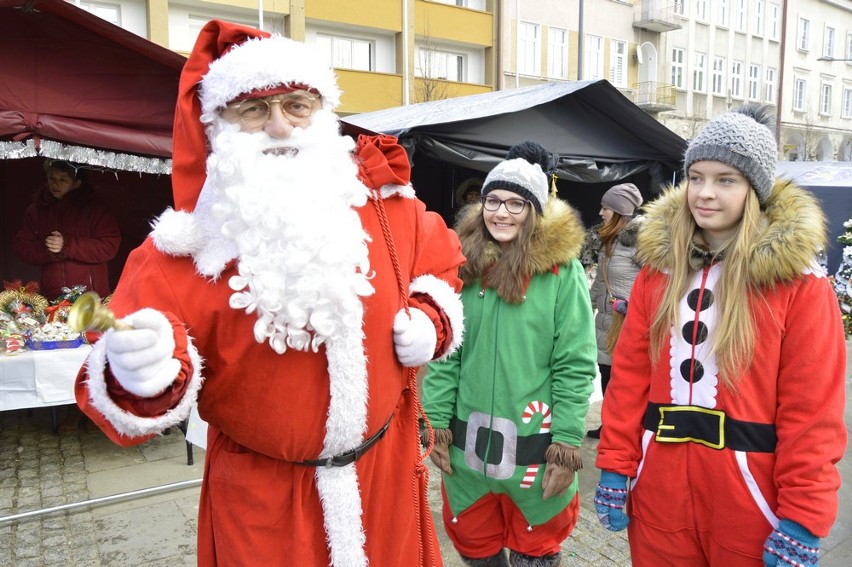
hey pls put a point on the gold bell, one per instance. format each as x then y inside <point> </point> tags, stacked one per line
<point>88,314</point>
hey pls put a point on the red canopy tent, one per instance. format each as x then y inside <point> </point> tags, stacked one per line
<point>75,87</point>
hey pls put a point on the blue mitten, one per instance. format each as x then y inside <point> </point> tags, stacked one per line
<point>610,498</point>
<point>791,544</point>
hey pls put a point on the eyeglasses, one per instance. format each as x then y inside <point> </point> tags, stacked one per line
<point>514,206</point>
<point>254,112</point>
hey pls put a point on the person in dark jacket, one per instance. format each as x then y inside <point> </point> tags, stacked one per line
<point>72,237</point>
<point>68,233</point>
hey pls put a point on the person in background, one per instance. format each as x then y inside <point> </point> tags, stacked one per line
<point>68,233</point>
<point>509,406</point>
<point>72,237</point>
<point>291,292</point>
<point>724,415</point>
<point>467,193</point>
<point>616,269</point>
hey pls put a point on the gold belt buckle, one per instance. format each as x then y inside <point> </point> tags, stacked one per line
<point>664,427</point>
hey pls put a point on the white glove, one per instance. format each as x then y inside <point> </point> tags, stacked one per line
<point>415,338</point>
<point>141,359</point>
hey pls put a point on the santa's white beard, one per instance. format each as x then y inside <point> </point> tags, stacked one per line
<point>290,222</point>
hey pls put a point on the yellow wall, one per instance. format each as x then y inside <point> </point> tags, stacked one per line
<point>379,14</point>
<point>365,92</point>
<point>441,21</point>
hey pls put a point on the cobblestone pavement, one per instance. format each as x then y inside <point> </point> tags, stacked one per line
<point>40,470</point>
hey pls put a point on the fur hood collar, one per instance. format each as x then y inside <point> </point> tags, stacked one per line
<point>791,235</point>
<point>557,239</point>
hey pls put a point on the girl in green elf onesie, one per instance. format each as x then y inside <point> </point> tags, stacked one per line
<point>509,407</point>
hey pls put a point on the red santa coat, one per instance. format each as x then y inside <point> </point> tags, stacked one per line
<point>777,438</point>
<point>268,411</point>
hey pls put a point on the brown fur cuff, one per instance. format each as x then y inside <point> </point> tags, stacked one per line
<point>443,436</point>
<point>563,455</point>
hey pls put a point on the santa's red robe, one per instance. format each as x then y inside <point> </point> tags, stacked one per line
<point>268,411</point>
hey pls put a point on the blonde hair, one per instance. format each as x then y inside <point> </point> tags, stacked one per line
<point>734,339</point>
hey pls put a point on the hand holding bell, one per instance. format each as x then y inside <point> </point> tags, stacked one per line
<point>88,314</point>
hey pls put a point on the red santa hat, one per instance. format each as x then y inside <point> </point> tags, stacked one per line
<point>228,62</point>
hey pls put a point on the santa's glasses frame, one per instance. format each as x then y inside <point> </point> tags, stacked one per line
<point>254,112</point>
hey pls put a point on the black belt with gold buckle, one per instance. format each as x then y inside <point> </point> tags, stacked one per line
<point>349,457</point>
<point>709,427</point>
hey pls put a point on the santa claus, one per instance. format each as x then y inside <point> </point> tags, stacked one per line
<point>288,293</point>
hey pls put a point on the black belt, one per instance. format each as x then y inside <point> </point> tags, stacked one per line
<point>530,449</point>
<point>349,457</point>
<point>708,427</point>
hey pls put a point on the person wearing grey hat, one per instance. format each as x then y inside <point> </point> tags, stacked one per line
<point>617,268</point>
<point>728,386</point>
<point>520,386</point>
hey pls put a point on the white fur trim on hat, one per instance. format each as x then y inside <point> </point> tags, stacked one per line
<point>265,63</point>
<point>125,422</point>
<point>177,233</point>
<point>450,301</point>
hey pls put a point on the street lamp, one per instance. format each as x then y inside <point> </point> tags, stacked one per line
<point>832,59</point>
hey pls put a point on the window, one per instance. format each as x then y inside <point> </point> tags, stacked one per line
<point>848,55</point>
<point>846,111</point>
<point>803,37</point>
<point>825,99</point>
<point>800,87</point>
<point>758,17</point>
<point>719,76</point>
<point>677,67</point>
<point>529,50</point>
<point>740,15</point>
<point>699,71</point>
<point>594,57</point>
<point>347,52</point>
<point>557,53</point>
<point>460,3</point>
<point>105,11</point>
<point>828,42</point>
<point>680,7</point>
<point>433,64</point>
<point>737,79</point>
<point>774,31</point>
<point>618,63</point>
<point>722,13</point>
<point>754,82</point>
<point>770,85</point>
<point>701,10</point>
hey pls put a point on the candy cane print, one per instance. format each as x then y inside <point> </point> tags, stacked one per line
<point>532,409</point>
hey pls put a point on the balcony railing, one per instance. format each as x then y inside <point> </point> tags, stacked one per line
<point>657,15</point>
<point>652,96</point>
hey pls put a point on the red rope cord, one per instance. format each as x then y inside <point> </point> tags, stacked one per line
<point>420,479</point>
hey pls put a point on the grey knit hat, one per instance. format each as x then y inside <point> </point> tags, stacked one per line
<point>744,139</point>
<point>522,172</point>
<point>623,199</point>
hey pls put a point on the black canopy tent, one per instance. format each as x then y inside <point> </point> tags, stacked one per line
<point>831,183</point>
<point>597,137</point>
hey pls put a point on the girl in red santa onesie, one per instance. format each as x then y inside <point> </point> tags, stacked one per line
<point>724,414</point>
<point>290,292</point>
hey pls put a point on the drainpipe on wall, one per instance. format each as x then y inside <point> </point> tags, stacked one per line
<point>517,42</point>
<point>580,45</point>
<point>781,74</point>
<point>406,79</point>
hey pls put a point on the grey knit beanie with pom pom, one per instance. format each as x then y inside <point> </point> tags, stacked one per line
<point>744,139</point>
<point>522,172</point>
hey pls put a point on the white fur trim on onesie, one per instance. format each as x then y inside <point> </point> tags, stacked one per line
<point>450,301</point>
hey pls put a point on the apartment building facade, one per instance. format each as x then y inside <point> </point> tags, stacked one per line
<point>683,61</point>
<point>686,61</point>
<point>386,52</point>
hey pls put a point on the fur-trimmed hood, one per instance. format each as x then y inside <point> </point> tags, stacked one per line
<point>558,237</point>
<point>791,236</point>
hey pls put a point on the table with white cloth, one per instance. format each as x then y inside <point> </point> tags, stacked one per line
<point>40,378</point>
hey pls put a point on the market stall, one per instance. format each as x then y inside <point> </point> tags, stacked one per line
<point>79,89</point>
